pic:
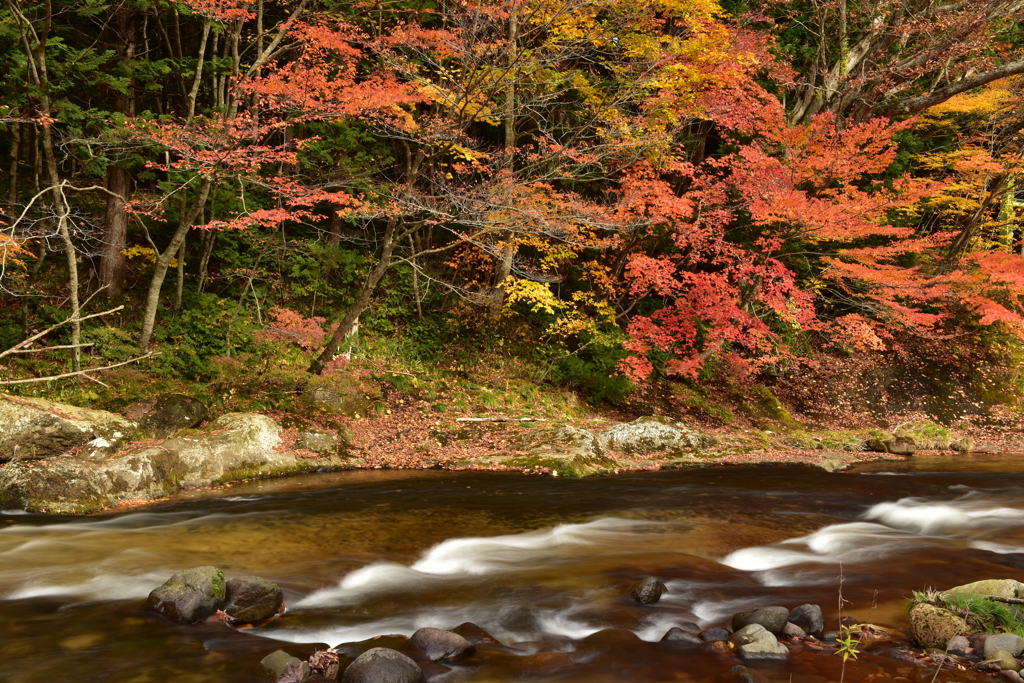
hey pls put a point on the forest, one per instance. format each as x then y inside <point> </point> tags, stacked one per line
<point>600,196</point>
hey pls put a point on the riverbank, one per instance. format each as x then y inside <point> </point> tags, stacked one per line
<point>63,459</point>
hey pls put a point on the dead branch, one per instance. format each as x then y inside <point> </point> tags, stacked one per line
<point>75,374</point>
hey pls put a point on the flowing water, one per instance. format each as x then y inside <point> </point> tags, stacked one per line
<point>542,564</point>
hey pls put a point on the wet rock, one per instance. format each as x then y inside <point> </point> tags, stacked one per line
<point>809,618</point>
<point>830,637</point>
<point>720,647</point>
<point>294,673</point>
<point>960,646</point>
<point>190,596</point>
<point>755,643</point>
<point>167,414</point>
<point>34,429</point>
<point>1007,642</point>
<point>714,635</point>
<point>325,663</point>
<point>251,599</point>
<point>654,434</point>
<point>999,588</point>
<point>932,626</point>
<point>741,674</point>
<point>1006,660</point>
<point>1010,676</point>
<point>354,650</point>
<point>474,634</point>
<point>610,639</point>
<point>647,590</point>
<point>382,665</point>
<point>276,663</point>
<point>318,678</point>
<point>677,637</point>
<point>791,630</point>
<point>774,618</point>
<point>439,645</point>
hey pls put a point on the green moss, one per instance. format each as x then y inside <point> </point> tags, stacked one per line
<point>697,399</point>
<point>219,587</point>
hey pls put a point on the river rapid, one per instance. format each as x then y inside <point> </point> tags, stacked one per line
<point>540,563</point>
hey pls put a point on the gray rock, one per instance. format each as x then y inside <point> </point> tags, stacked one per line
<point>1007,642</point>
<point>809,618</point>
<point>755,643</point>
<point>439,645</point>
<point>251,599</point>
<point>35,429</point>
<point>278,661</point>
<point>234,446</point>
<point>774,618</point>
<point>713,635</point>
<point>570,451</point>
<point>381,665</point>
<point>791,630</point>
<point>1011,676</point>
<point>654,434</point>
<point>319,441</point>
<point>959,645</point>
<point>189,596</point>
<point>677,637</point>
<point>167,414</point>
<point>1007,661</point>
<point>647,590</point>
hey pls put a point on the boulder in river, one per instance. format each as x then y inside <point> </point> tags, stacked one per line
<point>809,618</point>
<point>382,665</point>
<point>162,416</point>
<point>439,645</point>
<point>774,619</point>
<point>647,590</point>
<point>677,637</point>
<point>714,635</point>
<point>189,596</point>
<point>251,599</point>
<point>755,643</point>
<point>279,661</point>
<point>999,588</point>
<point>932,626</point>
<point>474,634</point>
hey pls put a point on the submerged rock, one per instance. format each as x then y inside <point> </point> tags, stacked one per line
<point>932,626</point>
<point>251,599</point>
<point>474,634</point>
<point>189,596</point>
<point>677,637</point>
<point>381,665</point>
<point>439,645</point>
<point>647,590</point>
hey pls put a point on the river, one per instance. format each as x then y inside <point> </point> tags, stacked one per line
<point>541,563</point>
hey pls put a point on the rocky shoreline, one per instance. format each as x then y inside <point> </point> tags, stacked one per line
<point>959,635</point>
<point>62,459</point>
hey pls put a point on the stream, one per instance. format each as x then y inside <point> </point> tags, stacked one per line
<point>543,564</point>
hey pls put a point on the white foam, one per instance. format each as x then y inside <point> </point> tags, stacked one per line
<point>468,558</point>
<point>102,587</point>
<point>922,517</point>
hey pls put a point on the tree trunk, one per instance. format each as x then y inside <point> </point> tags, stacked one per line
<point>113,264</point>
<point>361,303</point>
<point>164,261</point>
<point>12,188</point>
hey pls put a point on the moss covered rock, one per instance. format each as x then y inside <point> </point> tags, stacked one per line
<point>190,596</point>
<point>33,429</point>
<point>654,434</point>
<point>999,588</point>
<point>251,599</point>
<point>932,626</point>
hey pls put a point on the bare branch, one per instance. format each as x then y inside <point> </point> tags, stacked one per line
<point>74,374</point>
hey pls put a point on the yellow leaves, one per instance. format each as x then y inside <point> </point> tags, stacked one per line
<point>537,295</point>
<point>147,253</point>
